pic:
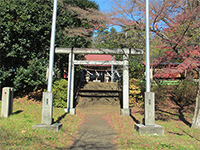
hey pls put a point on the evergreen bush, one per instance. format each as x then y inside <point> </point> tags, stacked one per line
<point>135,92</point>
<point>32,77</point>
<point>59,90</point>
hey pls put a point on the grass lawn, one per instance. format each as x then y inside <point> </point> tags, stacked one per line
<point>16,131</point>
<point>178,135</point>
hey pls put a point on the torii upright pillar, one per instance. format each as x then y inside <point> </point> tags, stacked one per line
<point>125,111</point>
<point>70,96</point>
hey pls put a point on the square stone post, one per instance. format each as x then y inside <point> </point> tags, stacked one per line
<point>125,110</point>
<point>47,108</point>
<point>149,127</point>
<point>47,114</point>
<point>149,117</point>
<point>7,101</point>
<point>70,92</point>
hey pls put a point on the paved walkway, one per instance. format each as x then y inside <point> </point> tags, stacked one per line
<point>94,134</point>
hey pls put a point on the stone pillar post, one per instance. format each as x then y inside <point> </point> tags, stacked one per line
<point>47,114</point>
<point>70,99</point>
<point>7,101</point>
<point>125,110</point>
<point>149,127</point>
<point>47,108</point>
<point>149,117</point>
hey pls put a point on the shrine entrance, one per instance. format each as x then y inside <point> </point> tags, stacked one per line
<point>72,62</point>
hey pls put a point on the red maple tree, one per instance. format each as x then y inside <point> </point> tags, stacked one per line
<point>91,19</point>
<point>176,23</point>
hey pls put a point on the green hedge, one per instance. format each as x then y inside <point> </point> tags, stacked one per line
<point>59,90</point>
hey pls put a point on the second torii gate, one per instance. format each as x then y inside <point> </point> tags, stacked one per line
<point>72,51</point>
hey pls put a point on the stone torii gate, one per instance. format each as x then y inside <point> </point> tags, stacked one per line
<point>72,51</point>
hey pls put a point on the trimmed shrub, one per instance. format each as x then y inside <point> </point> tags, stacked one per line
<point>59,90</point>
<point>135,92</point>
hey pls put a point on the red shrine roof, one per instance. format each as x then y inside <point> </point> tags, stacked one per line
<point>99,58</point>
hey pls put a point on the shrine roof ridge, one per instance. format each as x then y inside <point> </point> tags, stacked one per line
<point>116,51</point>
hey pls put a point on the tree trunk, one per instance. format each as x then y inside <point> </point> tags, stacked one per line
<point>196,118</point>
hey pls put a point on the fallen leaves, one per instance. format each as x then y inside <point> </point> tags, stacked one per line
<point>23,131</point>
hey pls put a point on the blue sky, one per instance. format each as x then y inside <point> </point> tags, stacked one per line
<point>104,5</point>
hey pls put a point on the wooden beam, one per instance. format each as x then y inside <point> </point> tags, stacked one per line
<point>84,62</point>
<point>99,51</point>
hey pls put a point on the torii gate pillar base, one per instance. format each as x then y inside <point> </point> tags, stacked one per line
<point>70,111</point>
<point>125,112</point>
<point>149,129</point>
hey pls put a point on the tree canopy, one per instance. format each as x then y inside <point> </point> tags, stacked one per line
<point>25,28</point>
<point>175,25</point>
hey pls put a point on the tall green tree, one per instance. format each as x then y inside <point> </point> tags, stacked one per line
<point>78,20</point>
<point>25,34</point>
<point>103,38</point>
<point>106,38</point>
<point>25,28</point>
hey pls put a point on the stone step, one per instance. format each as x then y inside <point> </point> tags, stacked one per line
<point>97,101</point>
<point>89,93</point>
<point>102,86</point>
<point>98,95</point>
<point>99,109</point>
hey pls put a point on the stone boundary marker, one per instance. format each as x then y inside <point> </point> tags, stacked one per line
<point>7,101</point>
<point>47,113</point>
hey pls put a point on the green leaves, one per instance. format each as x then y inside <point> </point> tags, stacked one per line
<point>24,39</point>
<point>33,77</point>
<point>60,93</point>
<point>25,32</point>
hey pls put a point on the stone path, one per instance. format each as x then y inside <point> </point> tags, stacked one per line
<point>95,133</point>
